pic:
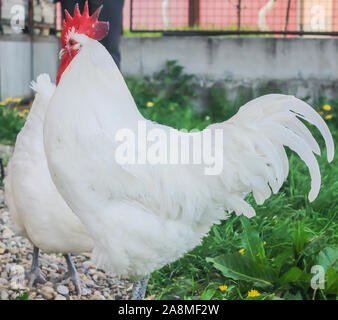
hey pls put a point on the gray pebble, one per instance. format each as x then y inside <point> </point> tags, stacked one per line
<point>3,295</point>
<point>47,292</point>
<point>54,266</point>
<point>62,290</point>
<point>16,256</point>
<point>86,291</point>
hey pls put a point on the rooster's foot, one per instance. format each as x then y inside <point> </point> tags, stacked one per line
<point>73,276</point>
<point>35,275</point>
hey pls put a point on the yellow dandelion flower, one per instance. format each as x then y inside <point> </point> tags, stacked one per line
<point>327,107</point>
<point>17,100</point>
<point>9,99</point>
<point>253,293</point>
<point>258,254</point>
<point>2,104</point>
<point>21,114</point>
<point>150,104</point>
<point>264,242</point>
<point>242,251</point>
<point>223,288</point>
<point>26,111</point>
<point>172,108</point>
<point>328,117</point>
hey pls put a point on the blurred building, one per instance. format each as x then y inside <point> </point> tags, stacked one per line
<point>283,52</point>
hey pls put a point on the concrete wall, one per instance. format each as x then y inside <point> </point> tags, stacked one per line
<point>298,66</point>
<point>16,67</point>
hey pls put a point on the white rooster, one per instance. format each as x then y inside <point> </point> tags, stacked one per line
<point>37,210</point>
<point>141,215</point>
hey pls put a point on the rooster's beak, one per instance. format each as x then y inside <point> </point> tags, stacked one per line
<point>61,53</point>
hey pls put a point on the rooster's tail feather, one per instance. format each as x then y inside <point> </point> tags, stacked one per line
<point>259,132</point>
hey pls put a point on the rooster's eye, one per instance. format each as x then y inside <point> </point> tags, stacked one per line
<point>71,42</point>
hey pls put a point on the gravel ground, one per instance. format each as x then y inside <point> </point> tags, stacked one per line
<point>16,257</point>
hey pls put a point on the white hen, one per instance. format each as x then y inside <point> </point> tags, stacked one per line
<point>37,210</point>
<point>143,216</point>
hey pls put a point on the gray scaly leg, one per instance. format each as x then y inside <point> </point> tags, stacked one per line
<point>140,288</point>
<point>35,276</point>
<point>72,274</point>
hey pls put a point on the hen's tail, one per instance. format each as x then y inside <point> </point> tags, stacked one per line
<point>44,89</point>
<point>254,156</point>
<point>43,86</point>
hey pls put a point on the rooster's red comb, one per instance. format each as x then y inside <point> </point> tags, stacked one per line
<point>84,24</point>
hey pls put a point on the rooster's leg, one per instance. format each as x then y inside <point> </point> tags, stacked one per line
<point>35,275</point>
<point>140,289</point>
<point>72,274</point>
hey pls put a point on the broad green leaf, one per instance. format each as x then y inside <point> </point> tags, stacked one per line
<point>328,257</point>
<point>290,296</point>
<point>208,294</point>
<point>286,256</point>
<point>331,281</point>
<point>241,267</point>
<point>171,62</point>
<point>295,275</point>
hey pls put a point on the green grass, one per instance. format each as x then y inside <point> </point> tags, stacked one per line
<point>11,120</point>
<point>128,33</point>
<point>288,236</point>
<point>177,29</point>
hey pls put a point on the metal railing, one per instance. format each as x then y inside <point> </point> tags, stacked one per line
<point>235,17</point>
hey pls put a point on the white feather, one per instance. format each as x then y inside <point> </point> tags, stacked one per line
<point>37,210</point>
<point>144,216</point>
